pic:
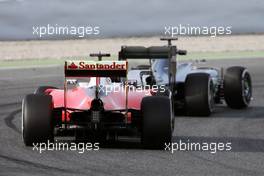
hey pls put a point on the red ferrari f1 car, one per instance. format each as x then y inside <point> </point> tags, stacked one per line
<point>95,105</point>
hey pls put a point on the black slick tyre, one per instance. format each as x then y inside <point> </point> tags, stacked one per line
<point>157,119</point>
<point>37,121</point>
<point>237,87</point>
<point>199,94</point>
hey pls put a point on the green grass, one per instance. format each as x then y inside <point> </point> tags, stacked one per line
<point>38,62</point>
<point>30,62</point>
<point>223,55</point>
<point>190,55</point>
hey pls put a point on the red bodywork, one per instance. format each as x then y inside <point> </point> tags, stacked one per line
<point>78,98</point>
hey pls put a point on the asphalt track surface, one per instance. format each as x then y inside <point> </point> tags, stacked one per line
<point>243,128</point>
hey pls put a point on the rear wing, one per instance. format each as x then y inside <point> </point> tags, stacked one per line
<point>83,68</point>
<point>140,52</point>
<point>155,52</point>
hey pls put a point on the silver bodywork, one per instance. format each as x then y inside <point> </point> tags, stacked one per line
<point>160,72</point>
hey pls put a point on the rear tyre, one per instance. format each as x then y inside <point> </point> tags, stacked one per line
<point>199,94</point>
<point>37,122</point>
<point>237,87</point>
<point>42,89</point>
<point>157,121</point>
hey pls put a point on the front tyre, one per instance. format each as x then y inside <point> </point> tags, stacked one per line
<point>237,87</point>
<point>199,94</point>
<point>37,122</point>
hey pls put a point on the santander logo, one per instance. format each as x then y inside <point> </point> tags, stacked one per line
<point>99,65</point>
<point>72,66</point>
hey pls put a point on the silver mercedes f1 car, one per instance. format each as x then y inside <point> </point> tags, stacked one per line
<point>198,89</point>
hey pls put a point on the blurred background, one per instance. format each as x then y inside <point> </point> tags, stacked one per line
<point>126,18</point>
<point>126,22</point>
